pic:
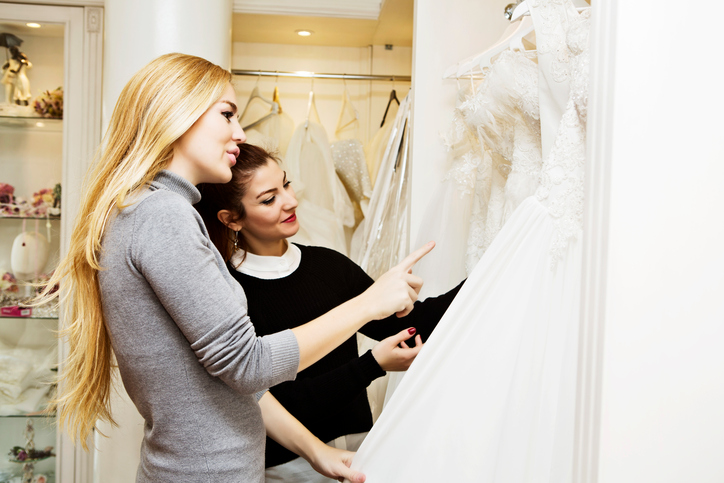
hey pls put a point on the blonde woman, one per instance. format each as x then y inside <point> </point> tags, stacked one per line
<point>143,282</point>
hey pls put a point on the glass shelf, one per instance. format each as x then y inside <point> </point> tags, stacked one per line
<point>18,217</point>
<point>42,312</point>
<point>38,123</point>
<point>32,317</point>
<point>33,415</point>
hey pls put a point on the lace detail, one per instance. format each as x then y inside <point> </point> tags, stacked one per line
<point>561,190</point>
<point>505,117</point>
<point>464,156</point>
<point>349,162</point>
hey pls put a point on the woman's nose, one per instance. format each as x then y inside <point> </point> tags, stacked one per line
<point>238,134</point>
<point>291,201</point>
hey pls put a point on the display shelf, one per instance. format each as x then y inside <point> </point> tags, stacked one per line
<point>19,217</point>
<point>32,415</point>
<point>36,123</point>
<point>43,312</point>
<point>31,317</point>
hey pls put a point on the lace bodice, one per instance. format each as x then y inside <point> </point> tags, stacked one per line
<point>561,189</point>
<point>496,135</point>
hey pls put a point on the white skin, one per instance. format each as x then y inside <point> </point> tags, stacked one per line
<point>205,154</point>
<point>270,219</point>
<point>207,151</point>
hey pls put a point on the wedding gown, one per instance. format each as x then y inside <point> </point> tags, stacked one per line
<point>384,234</point>
<point>491,396</point>
<point>495,164</point>
<point>324,205</point>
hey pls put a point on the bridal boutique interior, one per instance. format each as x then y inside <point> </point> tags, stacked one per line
<point>642,361</point>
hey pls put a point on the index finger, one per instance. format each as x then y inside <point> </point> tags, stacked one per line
<point>414,257</point>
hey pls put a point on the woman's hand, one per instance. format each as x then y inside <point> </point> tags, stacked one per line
<point>396,291</point>
<point>334,463</point>
<point>393,354</point>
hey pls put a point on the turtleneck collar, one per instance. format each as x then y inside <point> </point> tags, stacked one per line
<point>267,267</point>
<point>177,184</point>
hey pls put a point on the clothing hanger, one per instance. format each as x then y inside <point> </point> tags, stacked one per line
<point>311,106</point>
<point>513,39</point>
<point>275,96</point>
<point>393,97</point>
<point>256,94</point>
<point>347,107</point>
<point>522,9</point>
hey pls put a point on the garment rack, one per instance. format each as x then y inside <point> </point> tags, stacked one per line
<point>314,75</point>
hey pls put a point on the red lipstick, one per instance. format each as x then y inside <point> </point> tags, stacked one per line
<point>291,218</point>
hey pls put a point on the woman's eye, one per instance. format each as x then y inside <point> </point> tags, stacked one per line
<point>269,201</point>
<point>228,115</point>
<point>286,185</point>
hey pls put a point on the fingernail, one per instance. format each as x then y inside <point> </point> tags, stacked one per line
<point>411,330</point>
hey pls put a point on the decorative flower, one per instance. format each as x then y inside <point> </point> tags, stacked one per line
<point>44,196</point>
<point>21,454</point>
<point>8,283</point>
<point>7,192</point>
<point>50,104</point>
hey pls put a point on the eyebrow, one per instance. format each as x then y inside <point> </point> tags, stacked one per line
<point>231,105</point>
<point>273,189</point>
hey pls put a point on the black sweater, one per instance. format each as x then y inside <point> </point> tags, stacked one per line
<point>329,397</point>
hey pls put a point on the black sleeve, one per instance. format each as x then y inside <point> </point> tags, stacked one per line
<point>424,317</point>
<point>309,397</point>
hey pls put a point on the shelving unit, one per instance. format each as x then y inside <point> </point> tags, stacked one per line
<point>38,153</point>
<point>32,158</point>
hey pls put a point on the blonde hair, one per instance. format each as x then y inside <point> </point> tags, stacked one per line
<point>158,105</point>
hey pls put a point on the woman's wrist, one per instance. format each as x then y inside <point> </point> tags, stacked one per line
<point>363,307</point>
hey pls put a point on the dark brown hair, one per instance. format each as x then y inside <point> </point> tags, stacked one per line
<point>227,196</point>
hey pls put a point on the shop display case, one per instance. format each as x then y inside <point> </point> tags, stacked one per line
<point>49,126</point>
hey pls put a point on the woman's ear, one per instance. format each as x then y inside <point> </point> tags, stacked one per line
<point>226,217</point>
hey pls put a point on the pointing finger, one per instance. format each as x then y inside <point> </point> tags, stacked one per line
<point>415,256</point>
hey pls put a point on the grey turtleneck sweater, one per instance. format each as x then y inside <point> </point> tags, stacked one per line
<point>186,348</point>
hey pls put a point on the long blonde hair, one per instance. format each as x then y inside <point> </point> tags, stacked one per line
<point>158,105</point>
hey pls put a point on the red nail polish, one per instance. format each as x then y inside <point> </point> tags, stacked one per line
<point>411,330</point>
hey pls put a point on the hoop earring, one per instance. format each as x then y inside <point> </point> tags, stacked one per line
<point>236,240</point>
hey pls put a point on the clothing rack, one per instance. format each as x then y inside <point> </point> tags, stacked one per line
<point>314,75</point>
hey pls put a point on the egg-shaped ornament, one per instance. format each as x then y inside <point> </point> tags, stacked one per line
<point>29,255</point>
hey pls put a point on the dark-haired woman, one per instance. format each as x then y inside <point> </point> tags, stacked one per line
<point>249,220</point>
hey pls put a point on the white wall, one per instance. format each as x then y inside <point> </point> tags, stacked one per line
<point>663,363</point>
<point>444,33</point>
<point>368,97</point>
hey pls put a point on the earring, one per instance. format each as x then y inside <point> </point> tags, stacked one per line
<point>236,240</point>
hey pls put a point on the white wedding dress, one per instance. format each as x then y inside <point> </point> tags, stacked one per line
<point>491,396</point>
<point>494,164</point>
<point>325,208</point>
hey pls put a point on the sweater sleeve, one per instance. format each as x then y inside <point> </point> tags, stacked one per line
<point>329,391</point>
<point>171,252</point>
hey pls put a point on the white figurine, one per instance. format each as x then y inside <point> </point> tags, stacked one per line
<point>17,85</point>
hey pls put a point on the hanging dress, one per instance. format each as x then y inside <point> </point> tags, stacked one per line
<point>349,162</point>
<point>491,396</point>
<point>504,113</point>
<point>499,117</point>
<point>384,236</point>
<point>325,208</point>
<point>375,148</point>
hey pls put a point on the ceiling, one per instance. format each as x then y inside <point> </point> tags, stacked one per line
<point>393,26</point>
<point>21,30</point>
